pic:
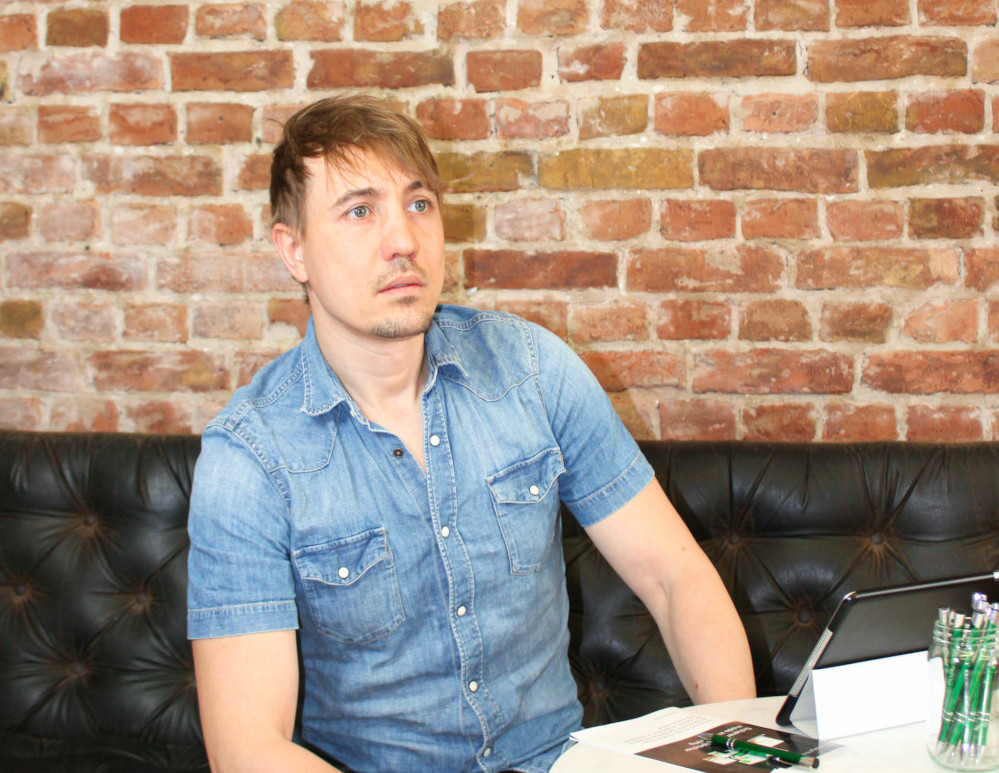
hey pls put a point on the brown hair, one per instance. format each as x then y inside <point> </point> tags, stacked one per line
<point>335,129</point>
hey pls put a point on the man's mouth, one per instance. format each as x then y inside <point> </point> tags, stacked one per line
<point>402,283</point>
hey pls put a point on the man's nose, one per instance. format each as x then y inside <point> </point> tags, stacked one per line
<point>399,237</point>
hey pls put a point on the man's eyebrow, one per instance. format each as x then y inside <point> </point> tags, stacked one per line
<point>372,192</point>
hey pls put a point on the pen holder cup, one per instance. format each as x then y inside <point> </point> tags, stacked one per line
<point>962,721</point>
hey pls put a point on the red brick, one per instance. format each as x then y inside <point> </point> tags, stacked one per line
<point>69,221</point>
<point>717,59</point>
<point>932,164</point>
<point>957,12</point>
<point>681,320</point>
<point>228,272</point>
<point>274,119</point>
<point>21,413</point>
<point>783,169</point>
<point>464,223</point>
<point>616,220</point>
<point>737,269</point>
<point>76,27</point>
<point>811,15</point>
<point>248,363</point>
<point>226,20</point>
<point>861,221</point>
<point>981,267</point>
<point>481,172</point>
<point>599,62</point>
<point>345,68</point>
<point>255,173</point>
<point>18,32</point>
<point>511,269</point>
<point>848,423</point>
<point>943,321</point>
<point>908,267</point>
<point>638,411</point>
<point>76,270</point>
<point>872,13</point>
<point>780,112</point>
<point>142,124</point>
<point>21,318</point>
<point>637,15</point>
<point>156,322</point>
<point>91,73</point>
<point>714,16</point>
<point>621,320</point>
<point>155,175</point>
<point>530,220</point>
<point>219,122</point>
<point>781,219</point>
<point>455,119</point>
<point>985,64</point>
<point>85,414</point>
<point>220,224</point>
<point>386,22</point>
<point>84,321</point>
<point>552,17</point>
<point>881,58</point>
<point>14,220</point>
<point>928,372</point>
<point>551,315</point>
<point>644,168</point>
<point>158,371</point>
<point>784,423</point>
<point>503,70</point>
<point>856,322</point>
<point>697,420</point>
<point>159,417</point>
<point>518,119</point>
<point>862,112</point>
<point>993,325</point>
<point>774,320</point>
<point>143,224</point>
<point>36,173</point>
<point>23,368</point>
<point>481,20</point>
<point>154,23</point>
<point>623,370</point>
<point>68,123</point>
<point>17,126</point>
<point>697,220</point>
<point>307,20</point>
<point>228,319</point>
<point>943,424</point>
<point>232,71</point>
<point>691,114</point>
<point>612,116</point>
<point>954,111</point>
<point>283,311</point>
<point>773,371</point>
<point>946,218</point>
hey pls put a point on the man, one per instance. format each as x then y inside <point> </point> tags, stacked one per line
<point>390,489</point>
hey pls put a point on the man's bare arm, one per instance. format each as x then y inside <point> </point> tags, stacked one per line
<point>248,693</point>
<point>650,547</point>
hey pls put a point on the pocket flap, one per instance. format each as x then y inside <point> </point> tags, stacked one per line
<point>344,561</point>
<point>528,481</point>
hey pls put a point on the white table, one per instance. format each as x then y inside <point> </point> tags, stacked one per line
<point>895,750</point>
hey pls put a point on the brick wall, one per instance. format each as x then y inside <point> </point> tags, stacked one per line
<point>766,220</point>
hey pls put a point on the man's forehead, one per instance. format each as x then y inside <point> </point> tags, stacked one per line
<point>357,171</point>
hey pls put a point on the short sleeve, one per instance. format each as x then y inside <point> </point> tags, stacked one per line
<point>605,469</point>
<point>240,577</point>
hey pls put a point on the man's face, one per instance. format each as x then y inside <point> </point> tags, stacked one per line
<point>372,255</point>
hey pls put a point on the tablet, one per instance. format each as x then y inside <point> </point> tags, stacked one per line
<point>881,622</point>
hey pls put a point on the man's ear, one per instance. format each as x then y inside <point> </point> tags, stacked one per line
<point>289,247</point>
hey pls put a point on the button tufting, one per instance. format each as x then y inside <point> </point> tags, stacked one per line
<point>20,589</point>
<point>877,538</point>
<point>734,539</point>
<point>804,616</point>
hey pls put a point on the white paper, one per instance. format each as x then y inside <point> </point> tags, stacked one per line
<point>656,729</point>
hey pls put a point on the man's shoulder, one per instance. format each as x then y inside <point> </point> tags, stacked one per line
<point>270,389</point>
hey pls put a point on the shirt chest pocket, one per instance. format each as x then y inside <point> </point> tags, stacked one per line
<point>351,587</point>
<point>525,499</point>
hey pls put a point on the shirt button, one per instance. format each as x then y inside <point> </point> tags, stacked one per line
<point>473,686</point>
<point>435,440</point>
<point>397,452</point>
<point>486,752</point>
<point>534,491</point>
<point>445,531</point>
<point>343,572</point>
<point>460,611</point>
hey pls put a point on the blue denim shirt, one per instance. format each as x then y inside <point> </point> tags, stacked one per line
<point>431,605</point>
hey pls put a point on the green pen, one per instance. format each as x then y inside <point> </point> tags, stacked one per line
<point>724,742</point>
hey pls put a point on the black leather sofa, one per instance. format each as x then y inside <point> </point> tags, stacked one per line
<point>96,674</point>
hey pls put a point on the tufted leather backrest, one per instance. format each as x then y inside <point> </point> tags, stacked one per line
<point>93,549</point>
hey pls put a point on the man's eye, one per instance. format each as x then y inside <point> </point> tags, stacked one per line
<point>420,205</point>
<point>359,211</point>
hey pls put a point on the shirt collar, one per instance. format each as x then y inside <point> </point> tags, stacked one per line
<point>323,390</point>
